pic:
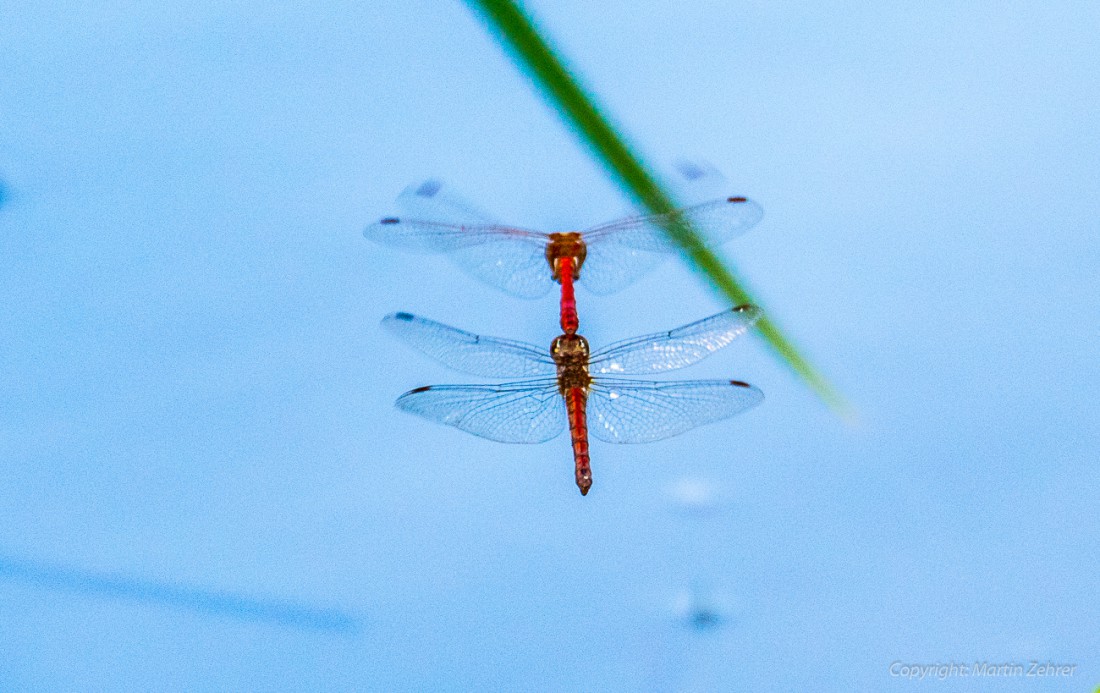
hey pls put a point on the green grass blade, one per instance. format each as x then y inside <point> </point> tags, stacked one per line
<point>516,31</point>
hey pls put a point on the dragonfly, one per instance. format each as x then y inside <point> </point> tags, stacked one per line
<point>528,263</point>
<point>569,386</point>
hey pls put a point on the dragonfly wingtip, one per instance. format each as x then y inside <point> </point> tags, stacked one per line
<point>748,313</point>
<point>429,188</point>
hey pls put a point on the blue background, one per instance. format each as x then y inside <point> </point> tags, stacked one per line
<point>204,484</point>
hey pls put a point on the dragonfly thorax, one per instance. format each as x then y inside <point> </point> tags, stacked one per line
<point>570,352</point>
<point>568,349</point>
<point>563,245</point>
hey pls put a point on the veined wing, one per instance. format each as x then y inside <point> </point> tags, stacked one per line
<point>621,251</point>
<point>438,220</point>
<point>665,351</point>
<point>433,222</point>
<point>611,266</point>
<point>430,236</point>
<point>511,259</point>
<point>715,222</point>
<point>617,264</point>
<point>468,352</point>
<point>530,411</point>
<point>635,411</point>
<point>516,265</point>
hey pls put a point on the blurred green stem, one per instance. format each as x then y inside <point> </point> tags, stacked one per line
<point>515,30</point>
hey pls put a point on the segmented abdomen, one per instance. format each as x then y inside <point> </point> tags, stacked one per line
<point>575,400</point>
<point>569,319</point>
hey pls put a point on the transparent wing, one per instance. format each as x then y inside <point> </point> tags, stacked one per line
<point>432,199</point>
<point>715,222</point>
<point>514,265</point>
<point>665,351</point>
<point>424,236</point>
<point>697,181</point>
<point>611,266</point>
<point>635,411</point>
<point>468,352</point>
<point>621,251</point>
<point>509,258</point>
<point>531,411</point>
<point>617,264</point>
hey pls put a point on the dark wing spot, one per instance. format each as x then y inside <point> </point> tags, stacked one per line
<point>406,317</point>
<point>737,199</point>
<point>429,188</point>
<point>690,170</point>
<point>738,383</point>
<point>389,220</point>
<point>704,619</point>
<point>420,389</point>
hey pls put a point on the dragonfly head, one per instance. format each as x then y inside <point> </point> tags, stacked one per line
<point>563,245</point>
<point>569,349</point>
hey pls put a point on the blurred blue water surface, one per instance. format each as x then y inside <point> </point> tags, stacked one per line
<point>195,390</point>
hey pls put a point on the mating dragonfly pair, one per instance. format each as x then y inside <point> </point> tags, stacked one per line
<point>567,386</point>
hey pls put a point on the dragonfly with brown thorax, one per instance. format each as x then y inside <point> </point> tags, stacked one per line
<point>570,386</point>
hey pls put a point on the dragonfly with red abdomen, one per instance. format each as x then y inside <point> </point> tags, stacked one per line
<point>572,387</point>
<point>528,263</point>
